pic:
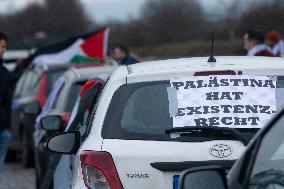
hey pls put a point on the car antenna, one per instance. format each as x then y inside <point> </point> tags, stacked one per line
<point>211,58</point>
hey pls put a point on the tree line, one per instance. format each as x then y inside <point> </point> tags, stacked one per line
<point>41,24</point>
<point>168,21</point>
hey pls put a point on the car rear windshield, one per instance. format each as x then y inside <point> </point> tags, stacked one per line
<point>144,111</point>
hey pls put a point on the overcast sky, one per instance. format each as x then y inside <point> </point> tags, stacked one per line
<point>103,10</point>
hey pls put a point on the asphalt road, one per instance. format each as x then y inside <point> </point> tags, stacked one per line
<point>14,176</point>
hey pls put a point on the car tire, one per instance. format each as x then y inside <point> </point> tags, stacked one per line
<point>27,154</point>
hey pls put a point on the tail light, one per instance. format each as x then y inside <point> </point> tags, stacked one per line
<point>99,171</point>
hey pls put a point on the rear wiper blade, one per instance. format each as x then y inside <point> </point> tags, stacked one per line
<point>222,130</point>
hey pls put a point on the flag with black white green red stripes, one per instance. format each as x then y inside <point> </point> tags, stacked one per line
<point>88,48</point>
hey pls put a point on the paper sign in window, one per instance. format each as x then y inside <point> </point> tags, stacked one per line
<point>223,101</point>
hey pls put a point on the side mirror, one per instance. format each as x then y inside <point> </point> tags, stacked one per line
<point>64,143</point>
<point>206,178</point>
<point>52,123</point>
<point>33,108</point>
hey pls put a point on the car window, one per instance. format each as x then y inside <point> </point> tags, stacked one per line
<point>93,111</point>
<point>20,85</point>
<point>268,168</point>
<point>28,84</point>
<point>52,98</point>
<point>51,79</point>
<point>32,83</point>
<point>144,111</point>
<point>73,113</point>
<point>80,116</point>
<point>72,95</point>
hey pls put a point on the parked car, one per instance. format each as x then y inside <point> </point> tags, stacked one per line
<point>30,94</point>
<point>60,104</point>
<point>59,171</point>
<point>260,167</point>
<point>152,121</point>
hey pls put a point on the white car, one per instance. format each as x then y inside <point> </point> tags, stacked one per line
<point>154,120</point>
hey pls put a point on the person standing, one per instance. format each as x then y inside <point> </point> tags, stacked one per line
<point>273,39</point>
<point>254,44</point>
<point>121,54</point>
<point>5,103</point>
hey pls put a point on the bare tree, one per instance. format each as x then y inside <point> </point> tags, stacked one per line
<point>65,18</point>
<point>54,20</point>
<point>258,15</point>
<point>172,21</point>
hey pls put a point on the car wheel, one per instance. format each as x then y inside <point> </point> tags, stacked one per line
<point>27,153</point>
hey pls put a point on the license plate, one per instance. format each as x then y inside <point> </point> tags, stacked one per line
<point>175,183</point>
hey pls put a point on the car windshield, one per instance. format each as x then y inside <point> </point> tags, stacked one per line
<point>146,110</point>
<point>70,93</point>
<point>52,98</point>
<point>52,78</point>
<point>73,94</point>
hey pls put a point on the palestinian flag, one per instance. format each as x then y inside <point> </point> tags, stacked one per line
<point>90,48</point>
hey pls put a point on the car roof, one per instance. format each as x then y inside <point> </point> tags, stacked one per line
<point>76,74</point>
<point>200,63</point>
<point>61,66</point>
<point>184,67</point>
<point>50,67</point>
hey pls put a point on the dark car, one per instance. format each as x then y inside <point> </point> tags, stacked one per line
<point>60,103</point>
<point>30,94</point>
<point>260,167</point>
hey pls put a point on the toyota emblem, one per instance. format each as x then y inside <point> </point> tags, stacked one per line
<point>221,150</point>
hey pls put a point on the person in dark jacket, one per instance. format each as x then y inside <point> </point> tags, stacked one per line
<point>5,103</point>
<point>121,54</point>
<point>254,44</point>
